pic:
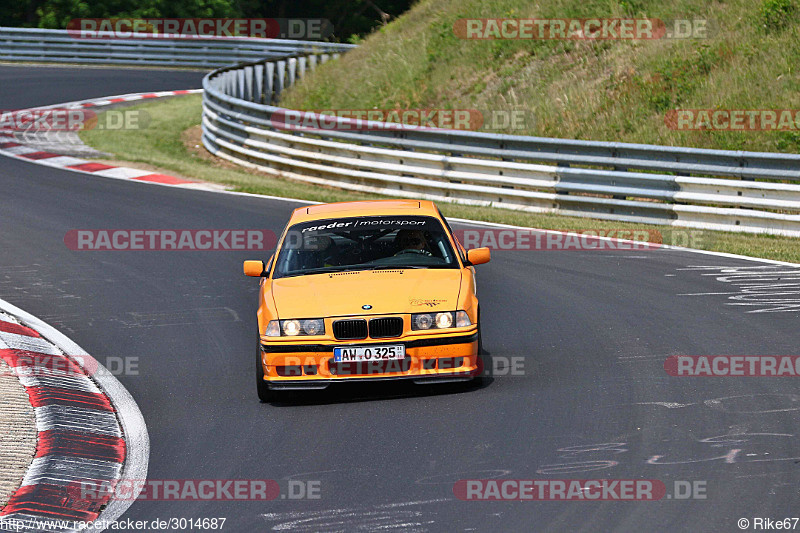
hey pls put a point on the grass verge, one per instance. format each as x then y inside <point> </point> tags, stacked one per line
<point>605,90</point>
<point>171,144</point>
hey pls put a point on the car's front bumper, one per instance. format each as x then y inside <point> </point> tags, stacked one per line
<point>432,358</point>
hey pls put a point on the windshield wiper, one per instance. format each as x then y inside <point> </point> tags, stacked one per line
<point>397,267</point>
<point>334,269</point>
<point>321,270</point>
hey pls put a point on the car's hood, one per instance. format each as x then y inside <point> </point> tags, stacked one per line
<point>387,291</point>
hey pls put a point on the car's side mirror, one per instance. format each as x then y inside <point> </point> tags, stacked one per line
<point>255,269</point>
<point>479,256</point>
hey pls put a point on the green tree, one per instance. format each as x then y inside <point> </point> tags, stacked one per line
<point>349,17</point>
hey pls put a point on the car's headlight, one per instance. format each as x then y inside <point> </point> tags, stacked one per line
<point>421,321</point>
<point>313,326</point>
<point>273,329</point>
<point>293,328</point>
<point>444,320</point>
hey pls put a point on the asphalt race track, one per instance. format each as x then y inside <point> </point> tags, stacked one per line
<point>593,329</point>
<point>32,85</point>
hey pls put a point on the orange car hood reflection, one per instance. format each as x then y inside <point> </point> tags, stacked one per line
<point>387,291</point>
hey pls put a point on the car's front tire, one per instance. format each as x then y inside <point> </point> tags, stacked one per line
<point>480,335</point>
<point>265,394</point>
<point>479,377</point>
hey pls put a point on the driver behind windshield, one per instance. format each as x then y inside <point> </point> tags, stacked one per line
<point>325,250</point>
<point>412,241</point>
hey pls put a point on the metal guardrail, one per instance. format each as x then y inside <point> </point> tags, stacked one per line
<point>712,189</point>
<point>58,46</point>
<point>709,189</point>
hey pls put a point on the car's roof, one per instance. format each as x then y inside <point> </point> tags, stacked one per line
<point>364,208</point>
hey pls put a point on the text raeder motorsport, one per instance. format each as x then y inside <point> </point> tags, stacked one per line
<point>366,223</point>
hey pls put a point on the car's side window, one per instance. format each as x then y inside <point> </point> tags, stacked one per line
<point>459,247</point>
<point>273,259</point>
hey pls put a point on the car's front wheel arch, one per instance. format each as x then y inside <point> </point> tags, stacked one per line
<point>265,394</point>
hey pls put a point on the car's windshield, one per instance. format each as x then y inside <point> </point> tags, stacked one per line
<point>359,243</point>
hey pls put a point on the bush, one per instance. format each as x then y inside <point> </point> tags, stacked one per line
<point>777,13</point>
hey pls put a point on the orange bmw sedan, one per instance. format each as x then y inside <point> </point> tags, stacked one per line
<point>374,290</point>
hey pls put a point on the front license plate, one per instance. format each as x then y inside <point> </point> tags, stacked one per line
<point>346,354</point>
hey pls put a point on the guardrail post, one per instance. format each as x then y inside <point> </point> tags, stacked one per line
<point>258,83</point>
<point>743,164</point>
<point>301,67</point>
<point>292,71</point>
<point>619,196</point>
<point>248,84</point>
<point>240,84</point>
<point>312,62</point>
<point>564,165</point>
<point>280,79</point>
<point>230,83</point>
<point>269,82</point>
